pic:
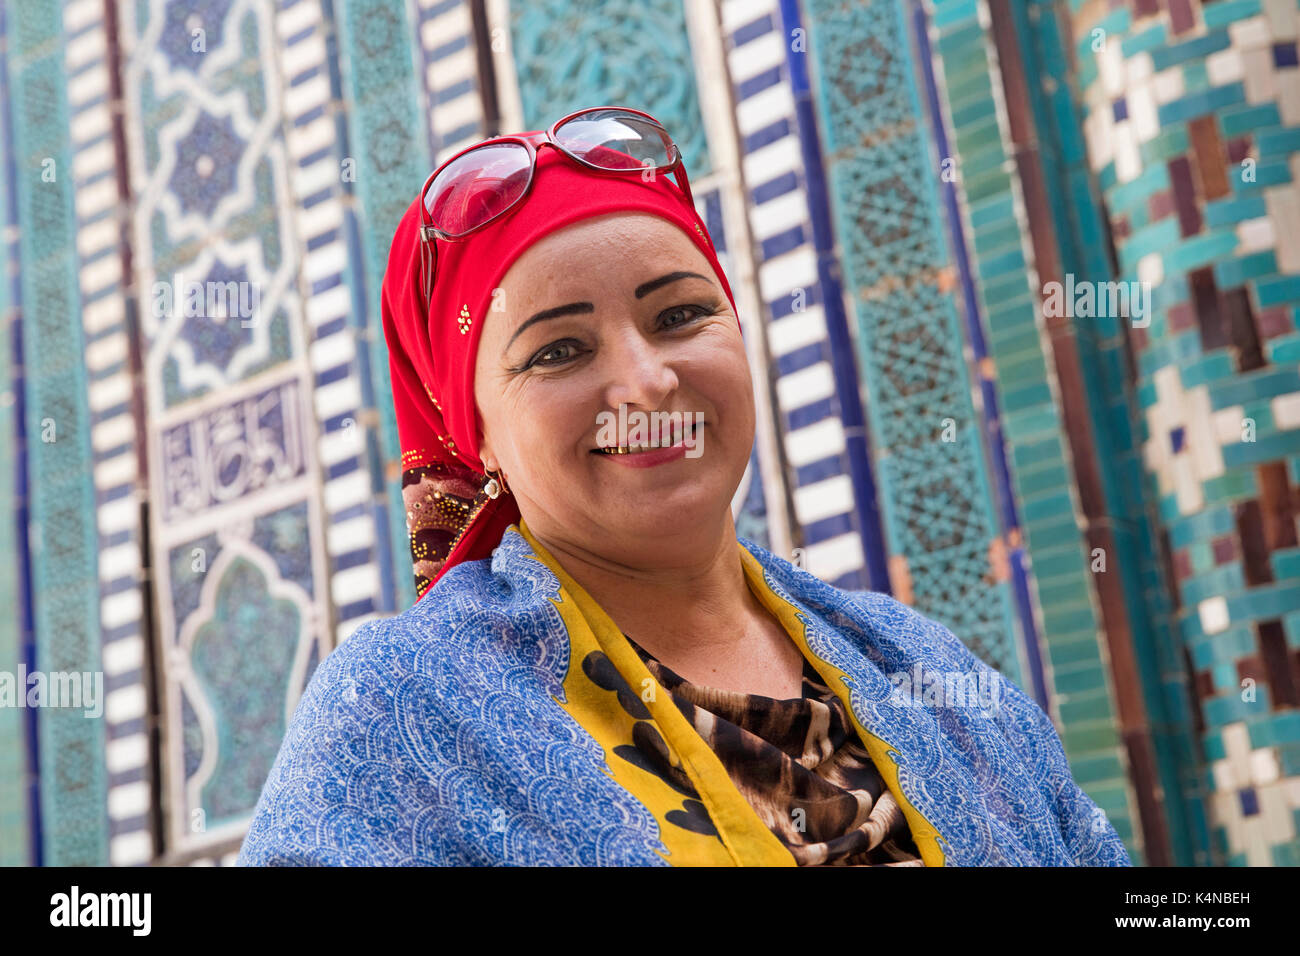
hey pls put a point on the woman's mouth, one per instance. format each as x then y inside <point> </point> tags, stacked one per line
<point>659,452</point>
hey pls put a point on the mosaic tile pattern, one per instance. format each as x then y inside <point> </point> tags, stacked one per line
<point>16,829</point>
<point>792,295</point>
<point>55,284</point>
<point>935,495</point>
<point>1030,423</point>
<point>1192,123</point>
<point>1106,358</point>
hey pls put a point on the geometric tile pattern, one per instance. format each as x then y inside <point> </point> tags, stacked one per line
<point>935,496</point>
<point>1193,129</point>
<point>1020,371</point>
<point>793,297</point>
<point>17,778</point>
<point>66,266</point>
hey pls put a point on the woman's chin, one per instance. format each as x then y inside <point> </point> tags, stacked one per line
<point>664,515</point>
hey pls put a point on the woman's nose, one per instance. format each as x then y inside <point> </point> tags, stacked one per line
<point>640,373</point>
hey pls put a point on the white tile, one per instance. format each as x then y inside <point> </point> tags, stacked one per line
<point>1286,411</point>
<point>805,386</point>
<point>796,330</point>
<point>1224,67</point>
<point>823,499</point>
<point>836,556</point>
<point>806,445</point>
<point>1214,614</point>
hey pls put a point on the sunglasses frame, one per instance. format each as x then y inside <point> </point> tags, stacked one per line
<point>532,143</point>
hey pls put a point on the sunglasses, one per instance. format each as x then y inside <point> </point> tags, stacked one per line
<point>485,181</point>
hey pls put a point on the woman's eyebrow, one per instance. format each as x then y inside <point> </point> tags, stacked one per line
<point>645,288</point>
<point>579,308</point>
<point>573,308</point>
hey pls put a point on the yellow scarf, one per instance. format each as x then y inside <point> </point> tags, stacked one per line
<point>745,839</point>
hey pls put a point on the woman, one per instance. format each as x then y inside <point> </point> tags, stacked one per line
<point>597,671</point>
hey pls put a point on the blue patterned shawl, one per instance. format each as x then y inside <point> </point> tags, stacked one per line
<point>492,723</point>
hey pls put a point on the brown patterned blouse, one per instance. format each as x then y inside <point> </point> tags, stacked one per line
<point>800,765</point>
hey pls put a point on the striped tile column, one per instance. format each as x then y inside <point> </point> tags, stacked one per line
<point>114,433</point>
<point>447,47</point>
<point>317,168</point>
<point>792,294</point>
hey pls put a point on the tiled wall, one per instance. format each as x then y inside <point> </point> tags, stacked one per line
<point>1192,124</point>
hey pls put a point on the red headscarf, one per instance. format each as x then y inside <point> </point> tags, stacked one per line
<point>432,347</point>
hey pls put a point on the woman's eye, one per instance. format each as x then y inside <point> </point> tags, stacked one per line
<point>691,312</point>
<point>539,358</point>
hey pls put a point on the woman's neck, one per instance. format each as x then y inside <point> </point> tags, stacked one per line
<point>692,609</point>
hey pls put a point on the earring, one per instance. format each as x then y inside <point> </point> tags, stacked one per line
<point>494,487</point>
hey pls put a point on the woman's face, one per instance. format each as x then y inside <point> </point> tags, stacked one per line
<point>631,315</point>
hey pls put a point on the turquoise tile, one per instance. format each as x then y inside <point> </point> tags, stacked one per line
<point>1175,350</point>
<point>1264,602</point>
<point>1154,238</point>
<point>1266,449</point>
<point>1209,523</point>
<point>949,14</point>
<point>1026,396</point>
<point>1079,680</point>
<point>1264,384</point>
<point>1073,652</point>
<point>1230,708</point>
<point>1148,39</point>
<point>1221,14</point>
<point>1115,23</point>
<point>974,112</point>
<point>1286,348</point>
<point>1199,250</point>
<point>1169,142</point>
<point>1229,645</point>
<point>1151,180</point>
<point>1221,580</point>
<point>1224,677</point>
<point>1233,486</point>
<point>1014,259</point>
<point>1211,367</point>
<point>1268,172</point>
<point>1276,291</point>
<point>1200,103</point>
<point>1022,369</point>
<point>1062,561</point>
<point>1197,49</point>
<point>1286,563</point>
<point>1041,480</point>
<point>1234,272</point>
<point>1272,142</point>
<point>1035,453</point>
<point>1044,508</point>
<point>1013,338</point>
<point>960,40</point>
<point>1225,212</point>
<point>1237,120</point>
<point>1106,177</point>
<point>1195,77</point>
<point>1004,234</point>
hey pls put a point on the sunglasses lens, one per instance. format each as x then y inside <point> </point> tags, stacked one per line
<point>477,186</point>
<point>614,139</point>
